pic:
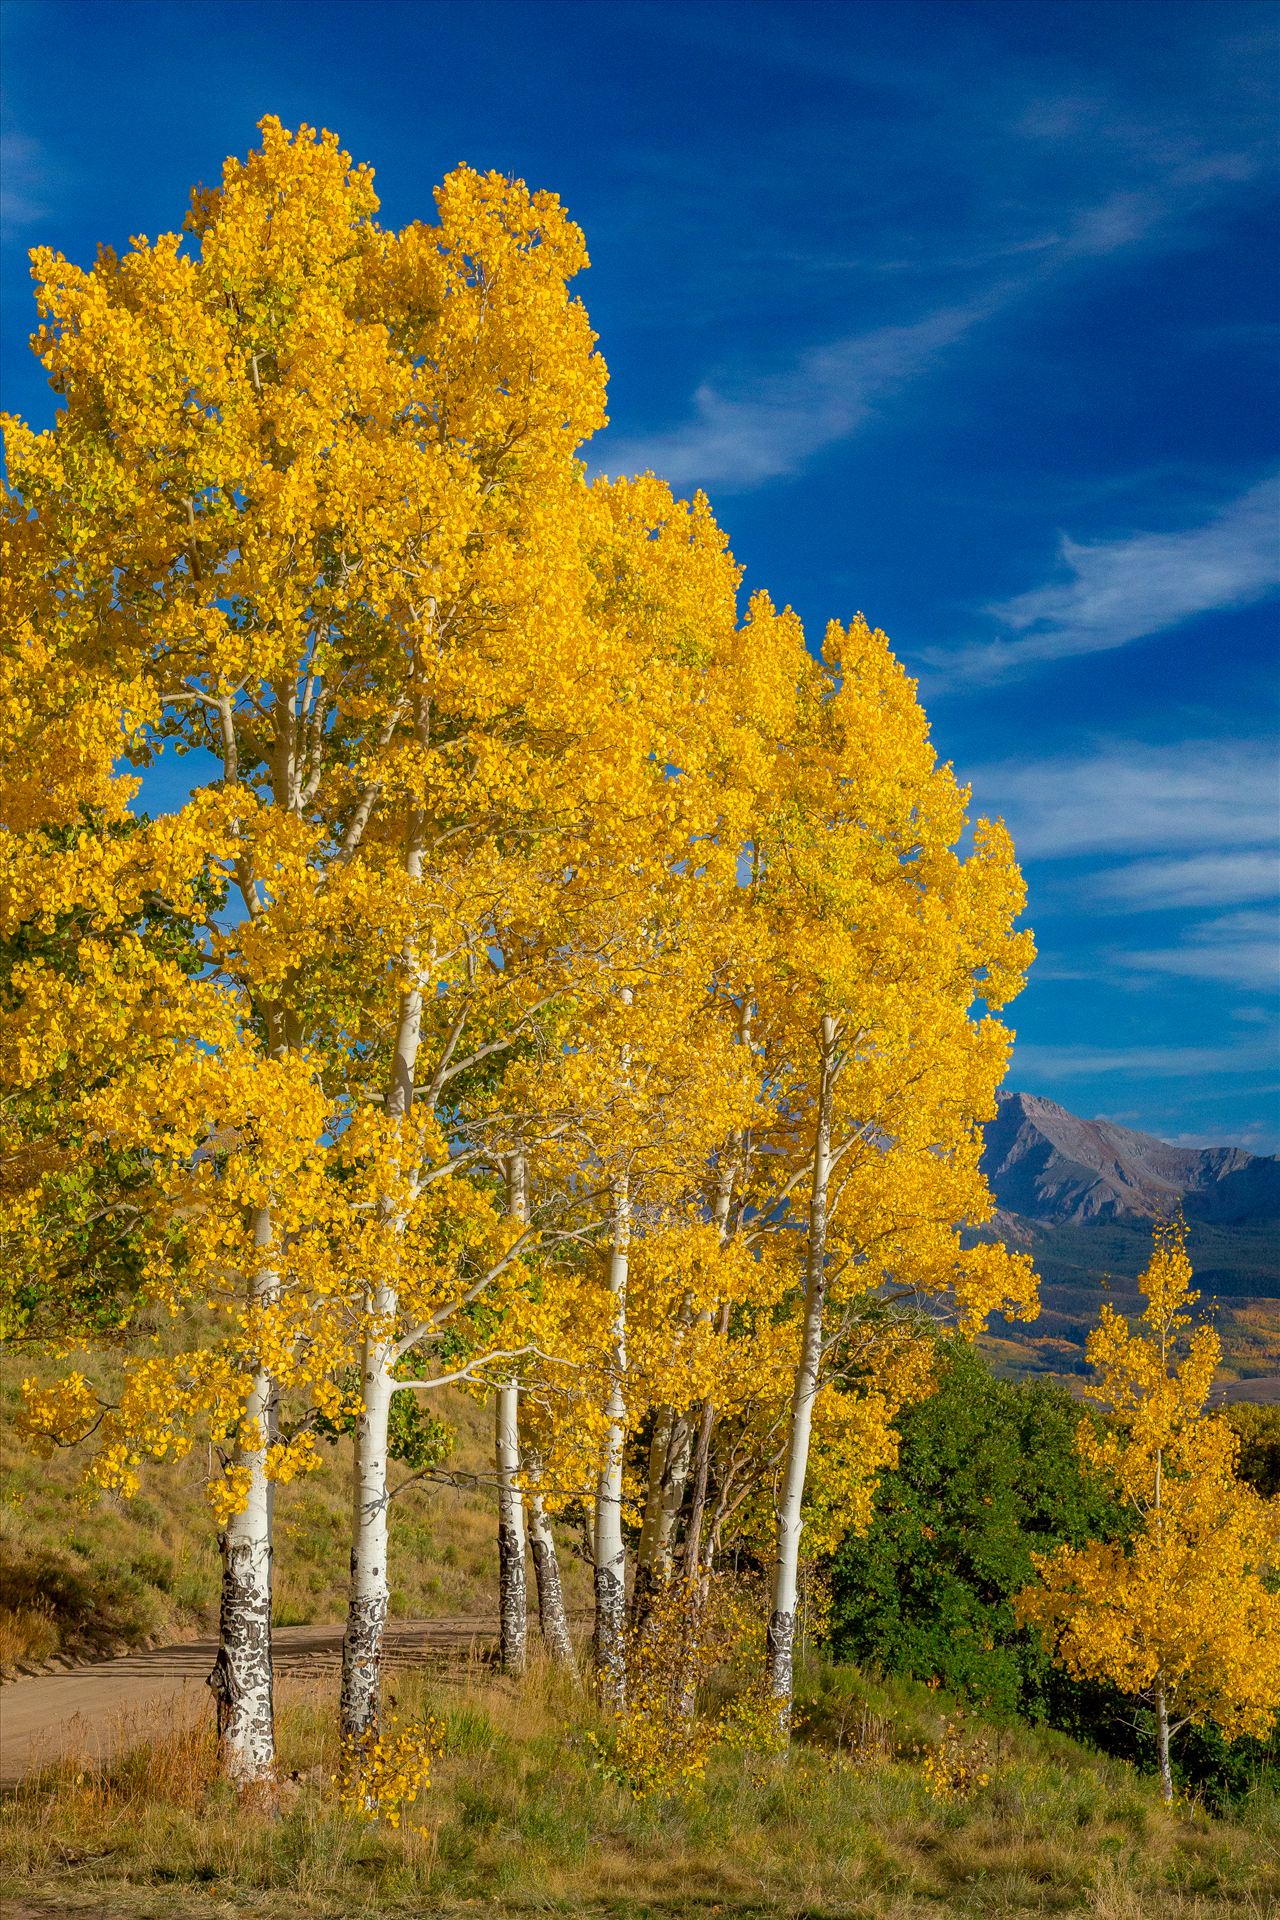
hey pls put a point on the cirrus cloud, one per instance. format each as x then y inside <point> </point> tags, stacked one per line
<point>1113,592</point>
<point>1222,878</point>
<point>771,427</point>
<point>1130,798</point>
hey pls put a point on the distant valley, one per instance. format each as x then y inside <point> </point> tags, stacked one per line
<point>1080,1196</point>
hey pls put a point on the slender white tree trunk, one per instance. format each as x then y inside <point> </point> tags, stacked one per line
<point>782,1615</point>
<point>610,1547</point>
<point>1162,1744</point>
<point>698,1498</point>
<point>674,1454</point>
<point>670,1453</point>
<point>370,1591</point>
<point>644,1578</point>
<point>513,1600</point>
<point>663,1421</point>
<point>671,1492</point>
<point>552,1616</point>
<point>241,1677</point>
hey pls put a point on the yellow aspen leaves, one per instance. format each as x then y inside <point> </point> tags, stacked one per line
<point>510,837</point>
<point>1185,1606</point>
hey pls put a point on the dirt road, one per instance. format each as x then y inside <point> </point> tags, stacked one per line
<point>95,1708</point>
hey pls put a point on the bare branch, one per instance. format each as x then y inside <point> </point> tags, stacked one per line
<point>468,1372</point>
<point>368,799</point>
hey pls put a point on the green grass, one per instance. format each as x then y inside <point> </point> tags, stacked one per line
<point>520,1820</point>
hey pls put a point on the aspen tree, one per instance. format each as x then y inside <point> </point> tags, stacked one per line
<point>553,1618</point>
<point>83,890</point>
<point>1182,1614</point>
<point>105,1005</point>
<point>655,1082</point>
<point>649,1064</point>
<point>769,664</point>
<point>883,937</point>
<point>384,686</point>
<point>491,749</point>
<point>647,1079</point>
<point>682,1427</point>
<point>670,1456</point>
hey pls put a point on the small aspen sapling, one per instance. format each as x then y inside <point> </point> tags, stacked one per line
<point>1182,1614</point>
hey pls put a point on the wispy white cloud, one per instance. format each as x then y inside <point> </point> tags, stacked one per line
<point>1255,1137</point>
<point>1134,798</point>
<point>1239,949</point>
<point>1215,879</point>
<point>24,178</point>
<point>740,437</point>
<point>748,430</point>
<point>1117,591</point>
<point>1120,220</point>
<point>1085,1062</point>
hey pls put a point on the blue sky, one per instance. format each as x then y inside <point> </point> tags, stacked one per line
<point>965,315</point>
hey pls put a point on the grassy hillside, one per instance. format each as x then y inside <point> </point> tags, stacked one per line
<point>84,1575</point>
<point>525,1814</point>
<point>522,1818</point>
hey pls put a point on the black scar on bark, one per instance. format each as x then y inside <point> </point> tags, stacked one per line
<point>551,1614</point>
<point>643,1594</point>
<point>245,1636</point>
<point>512,1599</point>
<point>225,1691</point>
<point>781,1643</point>
<point>611,1607</point>
<point>362,1658</point>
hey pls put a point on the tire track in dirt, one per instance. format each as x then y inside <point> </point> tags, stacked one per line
<point>96,1709</point>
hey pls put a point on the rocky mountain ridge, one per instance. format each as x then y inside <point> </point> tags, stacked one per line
<point>1048,1167</point>
<point>1080,1196</point>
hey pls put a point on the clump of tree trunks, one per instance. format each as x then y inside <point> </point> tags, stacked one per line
<point>557,981</point>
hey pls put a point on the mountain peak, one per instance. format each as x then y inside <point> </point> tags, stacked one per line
<point>1049,1165</point>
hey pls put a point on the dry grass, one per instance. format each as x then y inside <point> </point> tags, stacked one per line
<point>520,1821</point>
<point>28,1635</point>
<point>84,1576</point>
<point>521,1818</point>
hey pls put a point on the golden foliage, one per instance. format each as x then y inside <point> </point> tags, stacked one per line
<point>516,839</point>
<point>383,1775</point>
<point>660,1742</point>
<point>1185,1606</point>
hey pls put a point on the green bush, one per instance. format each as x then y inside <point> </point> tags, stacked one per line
<point>989,1476</point>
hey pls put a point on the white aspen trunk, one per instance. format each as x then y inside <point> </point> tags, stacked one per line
<point>513,1599</point>
<point>700,1436</point>
<point>782,1615</point>
<point>670,1455</point>
<point>241,1677</point>
<point>645,1578</point>
<point>552,1616</point>
<point>698,1500</point>
<point>369,1595</point>
<point>369,1591</point>
<point>513,1604</point>
<point>671,1492</point>
<point>610,1551</point>
<point>1162,1744</point>
<point>1162,1704</point>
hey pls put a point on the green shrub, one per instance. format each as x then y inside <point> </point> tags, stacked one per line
<point>989,1475</point>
